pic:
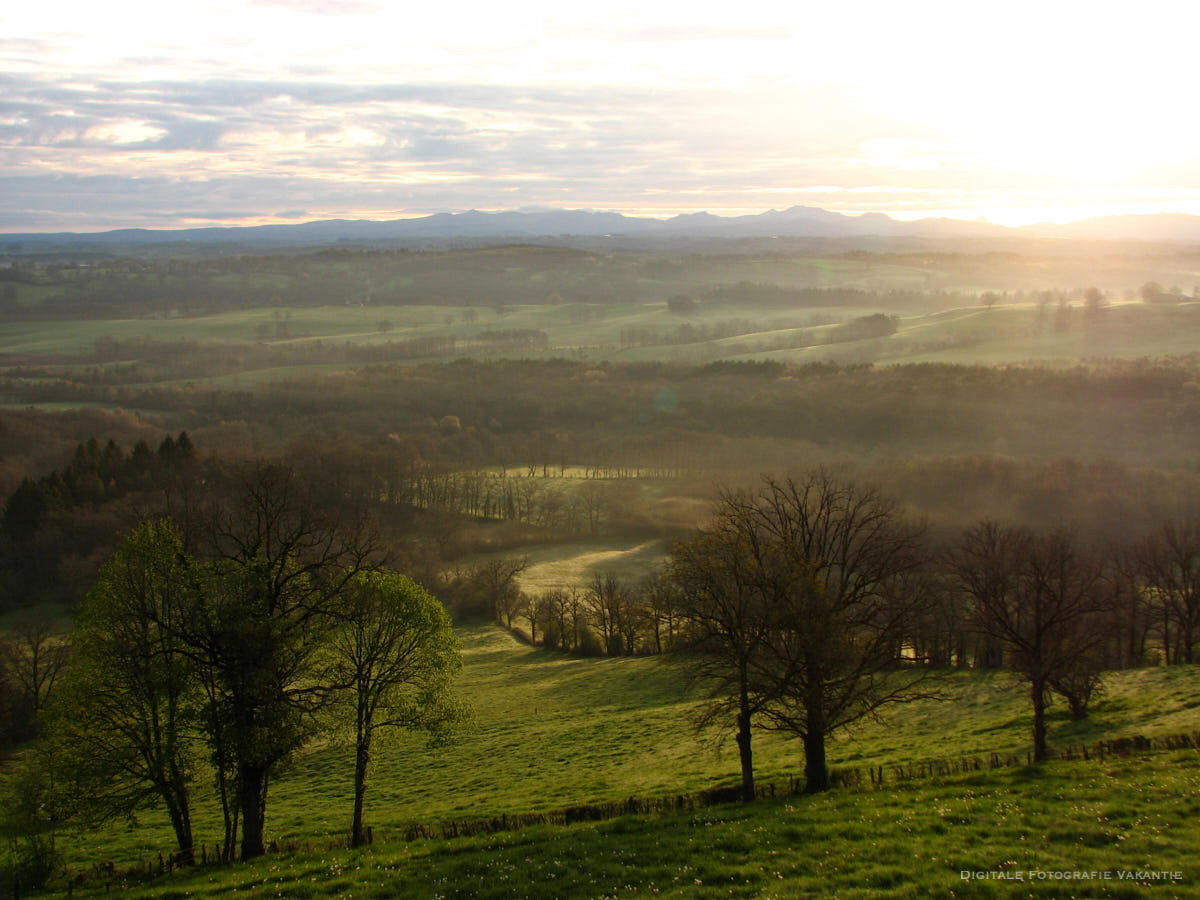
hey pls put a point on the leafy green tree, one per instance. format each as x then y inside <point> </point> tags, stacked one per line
<point>33,807</point>
<point>395,655</point>
<point>126,714</point>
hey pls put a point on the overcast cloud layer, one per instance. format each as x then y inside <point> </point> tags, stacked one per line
<point>140,114</point>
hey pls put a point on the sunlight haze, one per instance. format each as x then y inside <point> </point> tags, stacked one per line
<point>139,114</point>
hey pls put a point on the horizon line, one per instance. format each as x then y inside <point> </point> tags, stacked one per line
<point>661,215</point>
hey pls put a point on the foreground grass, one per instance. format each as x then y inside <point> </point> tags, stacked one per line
<point>554,731</point>
<point>1123,816</point>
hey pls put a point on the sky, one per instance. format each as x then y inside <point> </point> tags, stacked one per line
<point>225,112</point>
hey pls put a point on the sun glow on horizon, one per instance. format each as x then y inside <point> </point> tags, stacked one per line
<point>915,111</point>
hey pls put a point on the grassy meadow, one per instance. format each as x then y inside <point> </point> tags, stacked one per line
<point>574,565</point>
<point>1118,820</point>
<point>553,731</point>
<point>973,335</point>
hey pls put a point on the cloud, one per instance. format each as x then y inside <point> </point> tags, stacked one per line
<point>347,107</point>
<point>321,7</point>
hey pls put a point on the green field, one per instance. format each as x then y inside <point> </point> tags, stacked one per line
<point>554,731</point>
<point>259,320</point>
<point>574,565</point>
<point>1104,823</point>
<point>1004,334</point>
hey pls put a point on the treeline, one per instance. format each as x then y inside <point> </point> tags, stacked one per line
<point>94,474</point>
<point>1146,595</point>
<point>608,617</point>
<point>767,295</point>
<point>35,442</point>
<point>798,334</point>
<point>1145,412</point>
<point>689,333</point>
<point>54,528</point>
<point>111,288</point>
<point>144,359</point>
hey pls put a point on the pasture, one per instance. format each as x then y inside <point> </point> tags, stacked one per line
<point>1078,829</point>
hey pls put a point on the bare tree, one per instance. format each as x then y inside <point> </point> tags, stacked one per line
<point>1040,596</point>
<point>725,627</point>
<point>798,586</point>
<point>35,655</point>
<point>1128,608</point>
<point>1169,565</point>
<point>606,601</point>
<point>496,580</point>
<point>828,557</point>
<point>592,496</point>
<point>662,610</point>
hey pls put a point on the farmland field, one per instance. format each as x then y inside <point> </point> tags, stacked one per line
<point>262,320</point>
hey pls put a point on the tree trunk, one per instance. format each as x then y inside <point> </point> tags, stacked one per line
<point>1038,694</point>
<point>816,774</point>
<point>253,796</point>
<point>1078,707</point>
<point>1166,632</point>
<point>362,760</point>
<point>744,750</point>
<point>229,813</point>
<point>182,823</point>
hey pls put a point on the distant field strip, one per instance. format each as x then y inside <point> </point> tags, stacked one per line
<point>575,565</point>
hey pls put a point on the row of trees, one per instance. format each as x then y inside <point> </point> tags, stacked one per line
<point>1147,599</point>
<point>225,642</point>
<point>114,287</point>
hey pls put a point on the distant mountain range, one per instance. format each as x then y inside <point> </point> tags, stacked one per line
<point>527,224</point>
